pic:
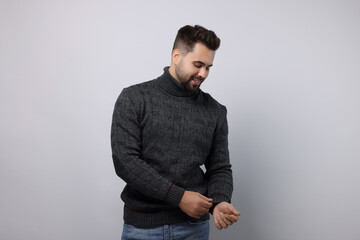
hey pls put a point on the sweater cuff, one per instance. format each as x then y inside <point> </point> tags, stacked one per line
<point>174,195</point>
<point>220,198</point>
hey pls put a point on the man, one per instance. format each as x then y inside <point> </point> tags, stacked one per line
<point>163,130</point>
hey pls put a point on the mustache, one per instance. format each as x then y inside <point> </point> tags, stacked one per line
<point>192,78</point>
<point>195,78</point>
<point>198,78</point>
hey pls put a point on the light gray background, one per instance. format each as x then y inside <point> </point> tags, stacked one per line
<point>288,72</point>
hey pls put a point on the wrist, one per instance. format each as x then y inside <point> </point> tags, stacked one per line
<point>212,208</point>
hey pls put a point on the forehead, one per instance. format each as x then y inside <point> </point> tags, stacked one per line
<point>201,53</point>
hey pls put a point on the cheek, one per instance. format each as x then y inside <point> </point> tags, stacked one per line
<point>194,71</point>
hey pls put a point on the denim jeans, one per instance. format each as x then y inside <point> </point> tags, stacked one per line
<point>198,230</point>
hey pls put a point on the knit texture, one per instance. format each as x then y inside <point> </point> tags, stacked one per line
<point>161,134</point>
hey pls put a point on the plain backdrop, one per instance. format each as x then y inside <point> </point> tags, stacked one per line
<point>288,72</point>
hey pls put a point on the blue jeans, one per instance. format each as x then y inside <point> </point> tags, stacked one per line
<point>198,230</point>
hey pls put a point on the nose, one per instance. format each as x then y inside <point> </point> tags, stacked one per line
<point>203,72</point>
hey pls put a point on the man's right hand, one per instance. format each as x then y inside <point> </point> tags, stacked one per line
<point>194,204</point>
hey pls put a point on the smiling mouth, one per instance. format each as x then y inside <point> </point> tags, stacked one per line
<point>196,81</point>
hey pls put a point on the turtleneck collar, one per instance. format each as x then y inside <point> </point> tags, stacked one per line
<point>169,84</point>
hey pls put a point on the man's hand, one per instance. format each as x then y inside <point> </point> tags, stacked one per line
<point>224,215</point>
<point>194,204</point>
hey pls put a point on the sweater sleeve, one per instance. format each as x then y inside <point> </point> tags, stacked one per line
<point>218,167</point>
<point>126,152</point>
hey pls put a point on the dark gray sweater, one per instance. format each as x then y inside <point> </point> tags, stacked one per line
<point>161,134</point>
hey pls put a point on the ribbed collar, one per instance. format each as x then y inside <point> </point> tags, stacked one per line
<point>171,86</point>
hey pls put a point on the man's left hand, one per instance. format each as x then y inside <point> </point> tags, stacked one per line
<point>225,215</point>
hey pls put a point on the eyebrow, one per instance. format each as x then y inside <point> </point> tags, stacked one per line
<point>200,62</point>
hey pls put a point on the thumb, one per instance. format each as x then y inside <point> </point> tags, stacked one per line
<point>233,210</point>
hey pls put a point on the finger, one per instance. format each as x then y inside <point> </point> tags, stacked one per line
<point>225,219</point>
<point>232,218</point>
<point>217,223</point>
<point>203,210</point>
<point>205,198</point>
<point>221,222</point>
<point>206,204</point>
<point>233,210</point>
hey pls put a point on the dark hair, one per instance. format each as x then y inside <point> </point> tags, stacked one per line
<point>188,36</point>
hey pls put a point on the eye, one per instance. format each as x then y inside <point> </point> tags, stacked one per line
<point>197,65</point>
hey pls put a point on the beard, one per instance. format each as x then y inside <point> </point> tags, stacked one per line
<point>185,79</point>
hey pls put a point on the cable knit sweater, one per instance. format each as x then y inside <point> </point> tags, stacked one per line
<point>161,134</point>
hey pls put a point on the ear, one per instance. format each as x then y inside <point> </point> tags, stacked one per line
<point>176,56</point>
